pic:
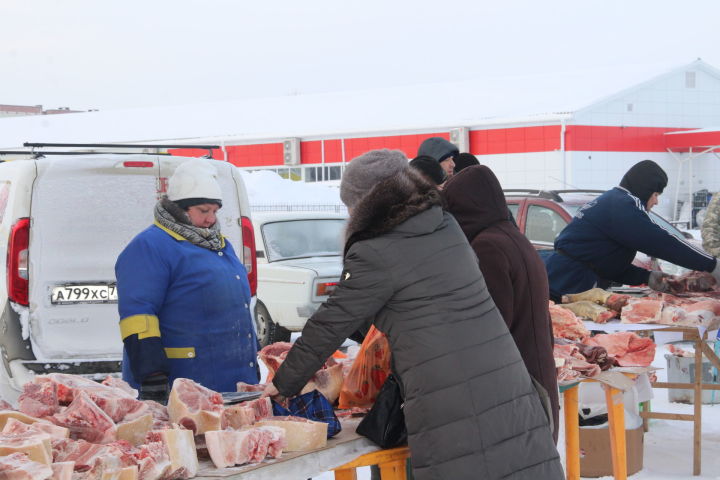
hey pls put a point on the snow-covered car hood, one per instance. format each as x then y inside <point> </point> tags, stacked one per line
<point>322,266</point>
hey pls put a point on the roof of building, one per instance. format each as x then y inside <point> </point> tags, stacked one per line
<point>496,100</point>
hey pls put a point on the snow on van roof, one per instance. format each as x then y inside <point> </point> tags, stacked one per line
<point>268,189</point>
<point>492,99</point>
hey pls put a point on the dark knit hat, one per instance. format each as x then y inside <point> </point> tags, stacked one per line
<point>430,168</point>
<point>186,203</point>
<point>437,148</point>
<point>464,160</point>
<point>643,179</point>
<point>365,171</point>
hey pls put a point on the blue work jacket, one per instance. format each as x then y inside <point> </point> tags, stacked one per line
<point>602,240</point>
<point>185,311</point>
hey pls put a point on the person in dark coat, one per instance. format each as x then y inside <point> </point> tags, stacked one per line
<point>429,168</point>
<point>470,406</point>
<point>601,241</point>
<point>465,160</point>
<point>514,273</point>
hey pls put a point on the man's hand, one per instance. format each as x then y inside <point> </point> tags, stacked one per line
<point>155,387</point>
<point>272,392</point>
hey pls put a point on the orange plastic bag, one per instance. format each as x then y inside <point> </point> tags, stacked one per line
<point>368,372</point>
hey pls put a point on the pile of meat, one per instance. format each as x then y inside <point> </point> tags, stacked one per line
<point>695,301</point>
<point>67,427</point>
<point>587,358</point>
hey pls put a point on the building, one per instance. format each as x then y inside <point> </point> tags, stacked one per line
<point>24,110</point>
<point>536,131</point>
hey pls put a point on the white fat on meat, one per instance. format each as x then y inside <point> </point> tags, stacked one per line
<point>37,446</point>
<point>180,446</point>
<point>301,434</point>
<point>237,447</point>
<point>15,426</point>
<point>134,431</point>
<point>18,466</point>
<point>62,470</point>
<point>87,421</point>
<point>194,407</point>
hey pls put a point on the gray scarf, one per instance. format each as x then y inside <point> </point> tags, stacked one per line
<point>174,218</point>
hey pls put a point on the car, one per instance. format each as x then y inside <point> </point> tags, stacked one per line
<point>542,214</point>
<point>300,258</point>
<point>64,219</point>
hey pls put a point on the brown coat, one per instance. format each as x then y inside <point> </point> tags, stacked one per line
<point>514,273</point>
<point>470,406</point>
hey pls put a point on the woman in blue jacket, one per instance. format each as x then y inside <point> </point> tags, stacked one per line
<point>600,243</point>
<point>183,294</point>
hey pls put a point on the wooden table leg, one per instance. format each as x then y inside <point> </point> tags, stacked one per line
<point>616,419</point>
<point>697,403</point>
<point>646,420</point>
<point>572,434</point>
<point>394,470</point>
<point>346,474</point>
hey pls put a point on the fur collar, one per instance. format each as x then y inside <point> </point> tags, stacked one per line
<point>173,209</point>
<point>390,203</point>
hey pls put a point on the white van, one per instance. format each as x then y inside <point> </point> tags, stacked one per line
<point>63,222</point>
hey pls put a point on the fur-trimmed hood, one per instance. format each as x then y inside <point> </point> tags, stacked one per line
<point>389,204</point>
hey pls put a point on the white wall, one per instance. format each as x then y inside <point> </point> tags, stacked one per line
<point>541,170</point>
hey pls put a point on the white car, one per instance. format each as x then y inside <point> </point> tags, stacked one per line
<point>63,221</point>
<point>299,256</point>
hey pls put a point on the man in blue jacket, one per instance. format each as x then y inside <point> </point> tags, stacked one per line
<point>600,243</point>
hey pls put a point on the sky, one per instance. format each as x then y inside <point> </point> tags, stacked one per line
<point>90,54</point>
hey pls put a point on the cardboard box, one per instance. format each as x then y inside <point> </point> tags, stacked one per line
<point>595,458</point>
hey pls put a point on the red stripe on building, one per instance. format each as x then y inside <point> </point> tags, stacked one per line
<point>515,140</point>
<point>587,138</point>
<point>694,140</point>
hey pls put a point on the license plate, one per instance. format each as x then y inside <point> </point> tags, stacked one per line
<point>84,294</point>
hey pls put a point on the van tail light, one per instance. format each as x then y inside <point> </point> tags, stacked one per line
<point>325,288</point>
<point>17,262</point>
<point>249,253</point>
<point>136,164</point>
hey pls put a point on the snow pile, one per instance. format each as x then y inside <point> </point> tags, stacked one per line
<point>268,188</point>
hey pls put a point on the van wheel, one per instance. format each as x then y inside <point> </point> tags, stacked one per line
<point>268,331</point>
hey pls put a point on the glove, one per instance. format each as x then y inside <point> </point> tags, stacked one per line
<point>155,387</point>
<point>716,272</point>
<point>658,281</point>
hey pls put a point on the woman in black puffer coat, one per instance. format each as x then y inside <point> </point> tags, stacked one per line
<point>470,407</point>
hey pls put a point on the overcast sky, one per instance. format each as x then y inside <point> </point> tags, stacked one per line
<point>115,54</point>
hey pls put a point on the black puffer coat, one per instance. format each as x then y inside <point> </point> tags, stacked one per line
<point>470,406</point>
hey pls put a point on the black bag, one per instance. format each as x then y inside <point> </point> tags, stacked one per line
<point>384,424</point>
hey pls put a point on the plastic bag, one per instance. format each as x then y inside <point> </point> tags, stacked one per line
<point>368,372</point>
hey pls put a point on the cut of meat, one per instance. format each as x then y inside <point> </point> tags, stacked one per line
<point>617,301</point>
<point>5,415</point>
<point>120,384</point>
<point>595,295</point>
<point>37,446</point>
<point>56,432</point>
<point>574,361</point>
<point>237,416</point>
<point>129,473</point>
<point>134,431</point>
<point>301,434</point>
<point>642,311</point>
<point>628,348</point>
<point>62,470</point>
<point>153,461</point>
<point>328,380</point>
<point>276,440</point>
<point>87,421</point>
<point>246,387</point>
<point>39,399</point>
<point>86,454</point>
<point>161,417</point>
<point>565,324</point>
<point>692,282</point>
<point>6,406</point>
<point>231,447</point>
<point>18,466</point>
<point>180,445</point>
<point>194,407</point>
<point>591,311</point>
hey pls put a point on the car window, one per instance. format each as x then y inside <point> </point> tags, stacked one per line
<point>513,207</point>
<point>666,225</point>
<point>543,224</point>
<point>303,238</point>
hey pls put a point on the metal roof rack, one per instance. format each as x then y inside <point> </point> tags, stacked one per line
<point>37,145</point>
<point>549,194</point>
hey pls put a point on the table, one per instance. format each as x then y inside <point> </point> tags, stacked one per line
<point>699,338</point>
<point>616,421</point>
